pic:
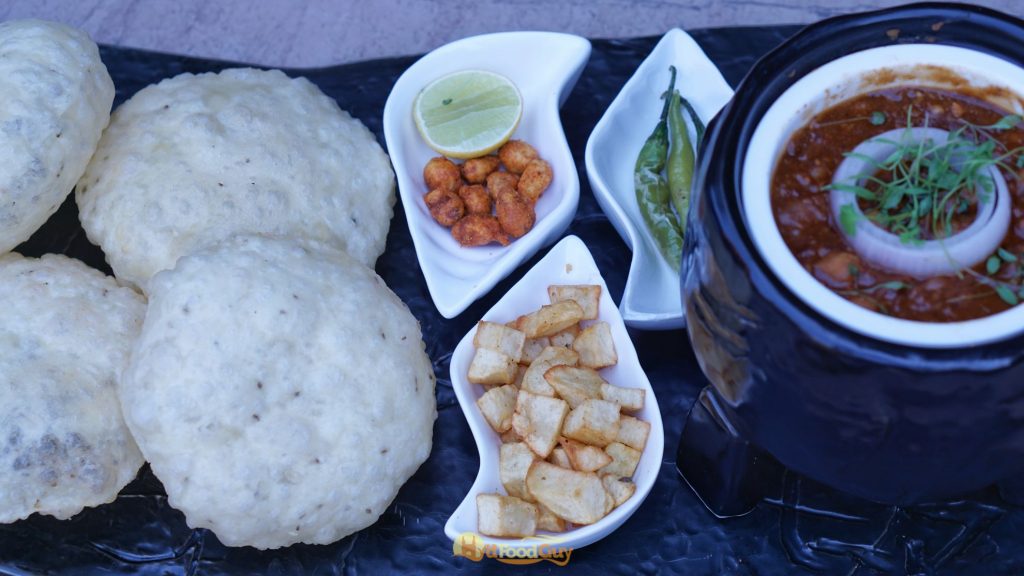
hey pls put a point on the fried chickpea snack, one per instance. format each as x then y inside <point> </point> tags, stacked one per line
<point>479,230</point>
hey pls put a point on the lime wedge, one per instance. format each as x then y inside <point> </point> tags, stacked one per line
<point>469,113</point>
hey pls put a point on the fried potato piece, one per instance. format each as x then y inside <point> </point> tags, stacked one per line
<point>497,406</point>
<point>515,215</point>
<point>510,436</point>
<point>501,183</point>
<point>547,520</point>
<point>505,516</point>
<point>583,457</point>
<point>538,421</point>
<point>533,347</point>
<point>492,367</point>
<point>621,490</point>
<point>550,319</point>
<point>588,296</point>
<point>442,174</point>
<point>445,207</point>
<point>516,155</point>
<point>631,399</point>
<point>479,230</point>
<point>500,338</point>
<point>596,346</point>
<point>633,432</point>
<point>594,422</point>
<point>476,170</point>
<point>476,199</point>
<point>575,385</point>
<point>514,461</point>
<point>578,497</point>
<point>566,337</point>
<point>535,180</point>
<point>560,457</point>
<point>550,357</point>
<point>520,374</point>
<point>624,460</point>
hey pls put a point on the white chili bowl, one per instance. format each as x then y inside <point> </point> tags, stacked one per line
<point>651,299</point>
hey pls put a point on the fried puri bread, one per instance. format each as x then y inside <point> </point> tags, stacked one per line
<point>65,338</point>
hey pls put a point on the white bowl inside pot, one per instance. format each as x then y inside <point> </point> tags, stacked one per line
<point>840,79</point>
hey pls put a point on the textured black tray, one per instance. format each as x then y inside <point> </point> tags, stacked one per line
<point>805,526</point>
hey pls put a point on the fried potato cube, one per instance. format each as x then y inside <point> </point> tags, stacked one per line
<point>533,347</point>
<point>624,460</point>
<point>633,432</point>
<point>578,497</point>
<point>500,338</point>
<point>566,337</point>
<point>588,296</point>
<point>575,385</point>
<point>594,422</point>
<point>583,457</point>
<point>516,155</point>
<point>559,457</point>
<point>442,173</point>
<point>505,516</point>
<point>631,399</point>
<point>520,374</point>
<point>476,170</point>
<point>534,380</point>
<point>596,347</point>
<point>514,461</point>
<point>497,406</point>
<point>621,490</point>
<point>538,421</point>
<point>534,180</point>
<point>550,319</point>
<point>546,520</point>
<point>492,367</point>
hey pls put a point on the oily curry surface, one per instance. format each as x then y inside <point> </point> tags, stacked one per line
<point>800,203</point>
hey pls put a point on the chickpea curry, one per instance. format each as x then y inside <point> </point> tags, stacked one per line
<point>919,191</point>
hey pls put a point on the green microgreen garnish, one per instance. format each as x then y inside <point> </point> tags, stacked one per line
<point>877,118</point>
<point>925,190</point>
<point>1010,286</point>
<point>870,293</point>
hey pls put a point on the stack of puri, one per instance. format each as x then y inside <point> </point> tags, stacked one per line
<point>278,388</point>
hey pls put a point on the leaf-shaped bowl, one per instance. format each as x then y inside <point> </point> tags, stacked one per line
<point>569,262</point>
<point>545,67</point>
<point>651,299</point>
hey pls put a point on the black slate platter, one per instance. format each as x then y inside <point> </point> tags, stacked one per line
<point>806,528</point>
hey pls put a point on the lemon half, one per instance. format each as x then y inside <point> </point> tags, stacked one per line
<point>469,113</point>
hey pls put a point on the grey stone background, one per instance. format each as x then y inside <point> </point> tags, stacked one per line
<point>323,32</point>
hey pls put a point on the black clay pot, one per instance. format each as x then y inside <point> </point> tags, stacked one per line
<point>888,422</point>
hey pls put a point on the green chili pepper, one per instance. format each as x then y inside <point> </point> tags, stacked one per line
<point>695,118</point>
<point>680,160</point>
<point>652,192</point>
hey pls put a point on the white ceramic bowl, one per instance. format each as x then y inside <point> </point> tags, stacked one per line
<point>569,262</point>
<point>838,80</point>
<point>545,67</point>
<point>651,299</point>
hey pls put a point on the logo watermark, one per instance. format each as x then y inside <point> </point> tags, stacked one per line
<point>530,550</point>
